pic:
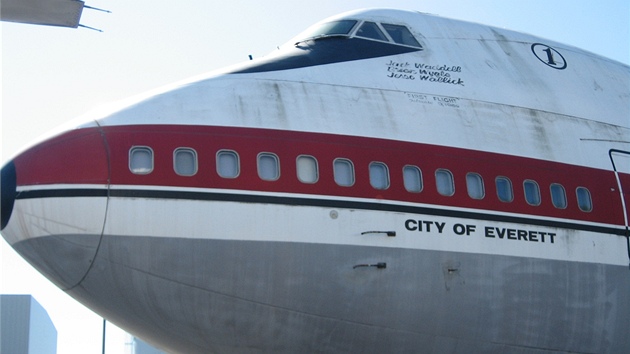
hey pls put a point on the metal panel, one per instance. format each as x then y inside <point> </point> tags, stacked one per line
<point>64,13</point>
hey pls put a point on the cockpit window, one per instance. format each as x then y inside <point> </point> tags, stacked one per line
<point>382,32</point>
<point>387,32</point>
<point>371,30</point>
<point>401,35</point>
<point>335,28</point>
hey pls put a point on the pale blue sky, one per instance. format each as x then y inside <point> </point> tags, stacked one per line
<point>51,75</point>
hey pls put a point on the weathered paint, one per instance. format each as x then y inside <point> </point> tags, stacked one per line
<point>208,264</point>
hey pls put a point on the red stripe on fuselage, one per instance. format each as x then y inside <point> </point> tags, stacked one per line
<point>288,145</point>
<point>77,157</point>
<point>74,157</point>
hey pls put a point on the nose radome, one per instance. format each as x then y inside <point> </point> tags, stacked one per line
<point>54,202</point>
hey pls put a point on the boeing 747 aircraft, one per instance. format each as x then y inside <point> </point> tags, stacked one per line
<point>386,182</point>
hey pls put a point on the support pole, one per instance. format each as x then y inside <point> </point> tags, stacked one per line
<point>104,322</point>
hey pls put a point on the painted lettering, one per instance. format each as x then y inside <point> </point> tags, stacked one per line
<point>503,233</point>
<point>424,225</point>
<point>519,234</point>
<point>511,234</point>
<point>455,69</point>
<point>445,99</point>
<point>425,72</point>
<point>398,64</point>
<point>445,80</point>
<point>459,229</point>
<point>522,235</point>
<point>411,225</point>
<point>401,76</point>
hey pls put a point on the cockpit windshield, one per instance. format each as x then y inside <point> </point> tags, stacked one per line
<point>335,28</point>
<point>401,34</point>
<point>382,32</point>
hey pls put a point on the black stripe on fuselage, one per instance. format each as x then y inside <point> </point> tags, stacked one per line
<point>322,51</point>
<point>314,202</point>
<point>61,193</point>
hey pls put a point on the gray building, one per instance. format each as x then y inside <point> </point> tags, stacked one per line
<point>25,327</point>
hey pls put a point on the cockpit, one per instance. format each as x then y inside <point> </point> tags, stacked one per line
<point>378,31</point>
<point>338,41</point>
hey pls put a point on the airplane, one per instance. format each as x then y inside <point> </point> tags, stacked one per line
<point>386,181</point>
<point>58,13</point>
<point>61,13</point>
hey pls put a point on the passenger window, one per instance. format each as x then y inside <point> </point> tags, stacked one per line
<point>141,160</point>
<point>268,166</point>
<point>444,182</point>
<point>185,161</point>
<point>401,35</point>
<point>371,30</point>
<point>558,196</point>
<point>228,165</point>
<point>584,199</point>
<point>504,189</point>
<point>379,175</point>
<point>532,192</point>
<point>344,172</point>
<point>412,178</point>
<point>307,171</point>
<point>474,184</point>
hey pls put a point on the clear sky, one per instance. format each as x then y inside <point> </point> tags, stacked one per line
<point>51,75</point>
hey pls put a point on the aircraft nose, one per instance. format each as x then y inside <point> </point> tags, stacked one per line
<point>7,192</point>
<point>54,203</point>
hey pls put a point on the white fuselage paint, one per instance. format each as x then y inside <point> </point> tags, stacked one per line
<point>238,270</point>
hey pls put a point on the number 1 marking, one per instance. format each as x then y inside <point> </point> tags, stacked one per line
<point>550,60</point>
<point>553,58</point>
